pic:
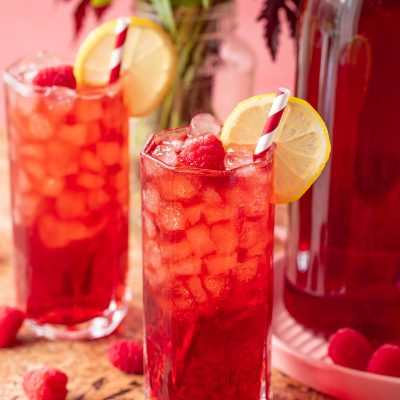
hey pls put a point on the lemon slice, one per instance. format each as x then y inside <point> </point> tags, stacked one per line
<point>302,142</point>
<point>149,60</point>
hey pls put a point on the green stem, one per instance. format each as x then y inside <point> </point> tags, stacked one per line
<point>191,53</point>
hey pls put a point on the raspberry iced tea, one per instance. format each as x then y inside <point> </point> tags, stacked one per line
<point>207,253</point>
<point>344,260</point>
<point>69,174</point>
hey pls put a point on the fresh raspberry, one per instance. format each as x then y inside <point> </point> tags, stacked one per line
<point>56,76</point>
<point>11,320</point>
<point>204,151</point>
<point>350,348</point>
<point>45,384</point>
<point>385,361</point>
<point>127,355</point>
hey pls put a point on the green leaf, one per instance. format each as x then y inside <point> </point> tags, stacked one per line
<point>164,10</point>
<point>206,3</point>
<point>100,3</point>
<point>186,3</point>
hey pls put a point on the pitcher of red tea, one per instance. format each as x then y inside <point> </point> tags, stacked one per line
<point>344,252</point>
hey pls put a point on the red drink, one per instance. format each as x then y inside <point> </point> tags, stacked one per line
<point>207,253</point>
<point>69,174</point>
<point>344,251</point>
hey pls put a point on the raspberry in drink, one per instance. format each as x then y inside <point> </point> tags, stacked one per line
<point>207,253</point>
<point>69,174</point>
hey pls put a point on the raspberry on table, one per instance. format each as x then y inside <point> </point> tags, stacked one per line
<point>45,384</point>
<point>11,320</point>
<point>349,348</point>
<point>205,151</point>
<point>126,355</point>
<point>56,76</point>
<point>385,361</point>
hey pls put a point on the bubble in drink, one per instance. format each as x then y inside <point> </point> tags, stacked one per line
<point>204,123</point>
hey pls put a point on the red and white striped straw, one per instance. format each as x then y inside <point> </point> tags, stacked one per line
<point>121,31</point>
<point>272,124</point>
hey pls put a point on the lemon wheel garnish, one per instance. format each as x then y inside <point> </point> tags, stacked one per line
<point>302,142</point>
<point>149,62</point>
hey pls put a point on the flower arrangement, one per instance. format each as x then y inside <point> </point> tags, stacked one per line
<point>186,21</point>
<point>269,14</point>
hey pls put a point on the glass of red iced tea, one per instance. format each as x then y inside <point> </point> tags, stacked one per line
<point>207,253</point>
<point>69,174</point>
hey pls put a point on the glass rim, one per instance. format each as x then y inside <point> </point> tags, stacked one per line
<point>266,162</point>
<point>11,79</point>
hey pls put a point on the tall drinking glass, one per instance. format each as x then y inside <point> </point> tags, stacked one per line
<point>207,253</point>
<point>69,174</point>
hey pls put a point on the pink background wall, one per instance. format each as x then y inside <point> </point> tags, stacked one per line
<point>30,25</point>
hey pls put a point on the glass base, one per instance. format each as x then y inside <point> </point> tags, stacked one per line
<point>263,394</point>
<point>93,329</point>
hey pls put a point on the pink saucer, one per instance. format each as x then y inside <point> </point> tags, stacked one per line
<point>302,354</point>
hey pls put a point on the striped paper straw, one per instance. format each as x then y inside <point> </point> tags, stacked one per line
<point>272,124</point>
<point>121,30</point>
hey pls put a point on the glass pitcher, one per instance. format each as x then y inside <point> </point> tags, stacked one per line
<point>344,252</point>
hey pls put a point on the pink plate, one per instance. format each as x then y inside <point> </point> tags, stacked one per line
<point>302,354</point>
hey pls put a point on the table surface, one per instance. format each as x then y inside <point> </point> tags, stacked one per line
<point>91,377</point>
